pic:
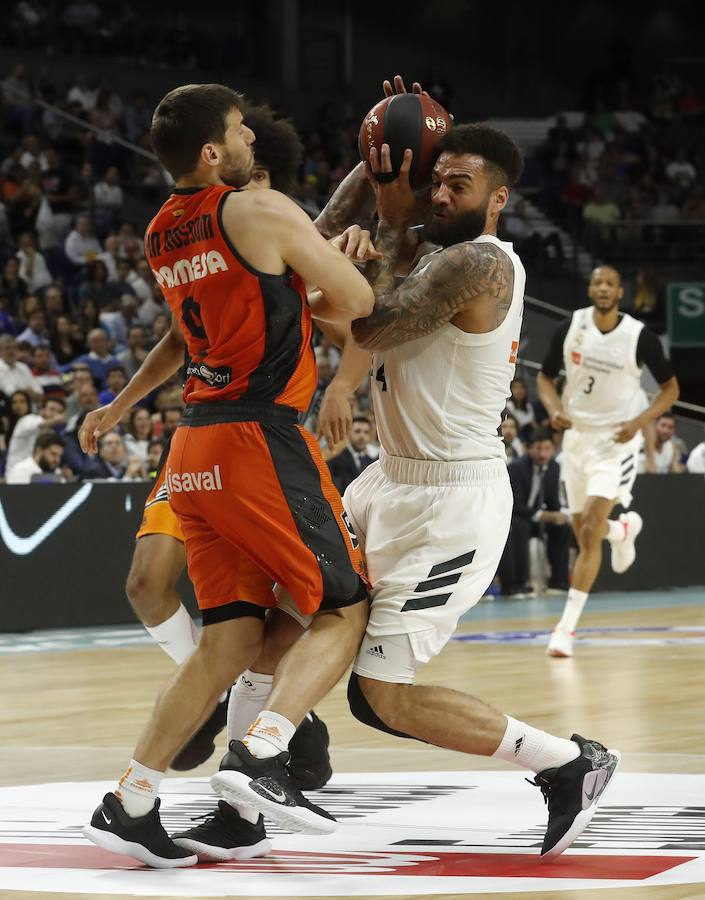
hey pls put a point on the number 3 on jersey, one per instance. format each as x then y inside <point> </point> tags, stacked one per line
<point>591,384</point>
<point>381,377</point>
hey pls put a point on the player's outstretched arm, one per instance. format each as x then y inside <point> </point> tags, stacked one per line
<point>440,287</point>
<point>335,415</point>
<point>161,362</point>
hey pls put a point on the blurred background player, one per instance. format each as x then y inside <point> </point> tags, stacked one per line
<point>602,409</point>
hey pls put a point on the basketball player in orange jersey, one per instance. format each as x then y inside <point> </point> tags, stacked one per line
<point>159,557</point>
<point>253,496</point>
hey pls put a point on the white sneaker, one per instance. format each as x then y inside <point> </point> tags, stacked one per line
<point>561,644</point>
<point>624,553</point>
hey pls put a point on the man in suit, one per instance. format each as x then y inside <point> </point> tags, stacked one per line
<point>113,462</point>
<point>535,479</point>
<point>347,465</point>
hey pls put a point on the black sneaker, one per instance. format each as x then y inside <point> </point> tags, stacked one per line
<point>572,791</point>
<point>309,765</point>
<point>202,745</point>
<point>225,835</point>
<point>142,838</point>
<point>267,785</point>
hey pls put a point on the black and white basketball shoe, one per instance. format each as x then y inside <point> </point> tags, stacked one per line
<point>309,765</point>
<point>267,785</point>
<point>141,837</point>
<point>572,792</point>
<point>225,835</point>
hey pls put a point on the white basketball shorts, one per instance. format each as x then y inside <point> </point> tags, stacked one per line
<point>593,464</point>
<point>432,534</point>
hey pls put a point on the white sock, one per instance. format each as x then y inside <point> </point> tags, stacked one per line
<point>617,531</point>
<point>177,636</point>
<point>533,749</point>
<point>138,788</point>
<point>572,610</point>
<point>247,700</point>
<point>269,734</point>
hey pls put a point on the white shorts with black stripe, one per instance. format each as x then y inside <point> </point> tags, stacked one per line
<point>593,464</point>
<point>432,534</point>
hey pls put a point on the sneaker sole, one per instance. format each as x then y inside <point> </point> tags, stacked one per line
<point>235,788</point>
<point>557,654</point>
<point>209,853</point>
<point>582,820</point>
<point>109,841</point>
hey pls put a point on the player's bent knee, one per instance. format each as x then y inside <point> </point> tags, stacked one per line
<point>361,707</point>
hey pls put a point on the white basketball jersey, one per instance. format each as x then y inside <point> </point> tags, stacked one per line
<point>603,380</point>
<point>441,396</point>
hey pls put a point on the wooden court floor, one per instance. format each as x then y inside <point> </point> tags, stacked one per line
<point>74,715</point>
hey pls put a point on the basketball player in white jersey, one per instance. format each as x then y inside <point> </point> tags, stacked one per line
<point>432,515</point>
<point>603,410</point>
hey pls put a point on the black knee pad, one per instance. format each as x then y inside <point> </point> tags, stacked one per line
<point>363,712</point>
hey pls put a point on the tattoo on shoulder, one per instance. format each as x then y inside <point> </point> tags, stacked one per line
<point>442,285</point>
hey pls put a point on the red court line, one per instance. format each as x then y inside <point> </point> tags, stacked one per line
<point>437,864</point>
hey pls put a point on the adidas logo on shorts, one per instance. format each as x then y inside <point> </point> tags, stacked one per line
<point>376,651</point>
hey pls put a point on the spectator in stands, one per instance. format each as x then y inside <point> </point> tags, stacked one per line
<point>151,308</point>
<point>129,244</point>
<point>54,219</point>
<point>15,375</point>
<point>627,118</point>
<point>35,334</point>
<point>83,93</point>
<point>82,246</point>
<point>79,376</point>
<point>33,269</point>
<point>535,479</point>
<point>696,460</point>
<point>139,434</point>
<point>54,302</point>
<point>11,285</point>
<point>44,459</point>
<point>112,461</point>
<point>680,171</point>
<point>107,196</point>
<point>141,280</point>
<point>45,372</point>
<point>133,357</point>
<point>97,287</point>
<point>169,418</point>
<point>65,345</point>
<point>27,425</point>
<point>99,358</point>
<point>353,459</point>
<point>600,215</point>
<point>665,457</point>
<point>121,285</point>
<point>519,406</point>
<point>138,117</point>
<point>160,326</point>
<point>115,381</point>
<point>154,455</point>
<point>509,428</point>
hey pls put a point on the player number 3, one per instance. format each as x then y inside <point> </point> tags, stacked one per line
<point>589,386</point>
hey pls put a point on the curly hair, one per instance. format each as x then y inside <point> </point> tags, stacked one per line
<point>277,146</point>
<point>502,156</point>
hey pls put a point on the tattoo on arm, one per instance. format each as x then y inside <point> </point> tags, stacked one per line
<point>441,286</point>
<point>353,203</point>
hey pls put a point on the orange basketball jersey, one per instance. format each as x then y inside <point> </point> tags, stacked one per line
<point>248,333</point>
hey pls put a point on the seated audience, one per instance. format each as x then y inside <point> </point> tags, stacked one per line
<point>45,459</point>
<point>353,459</point>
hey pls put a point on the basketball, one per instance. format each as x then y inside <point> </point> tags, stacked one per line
<point>406,120</point>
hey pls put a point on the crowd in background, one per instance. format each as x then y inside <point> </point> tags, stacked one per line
<point>79,308</point>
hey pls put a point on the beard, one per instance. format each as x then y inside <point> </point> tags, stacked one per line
<point>44,465</point>
<point>464,226</point>
<point>237,172</point>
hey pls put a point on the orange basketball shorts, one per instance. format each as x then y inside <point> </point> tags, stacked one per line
<point>159,517</point>
<point>257,505</point>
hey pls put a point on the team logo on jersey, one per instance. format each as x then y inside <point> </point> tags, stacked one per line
<point>214,376</point>
<point>577,358</point>
<point>186,270</point>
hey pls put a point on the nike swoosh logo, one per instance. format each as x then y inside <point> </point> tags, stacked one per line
<point>109,821</point>
<point>22,546</point>
<point>266,793</point>
<point>593,783</point>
